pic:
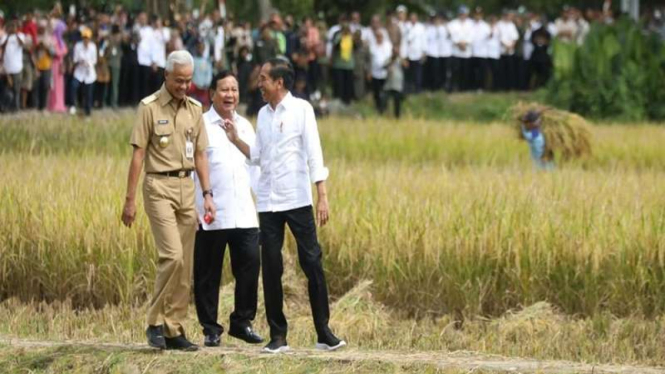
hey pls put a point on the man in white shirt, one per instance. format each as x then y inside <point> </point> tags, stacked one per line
<point>161,36</point>
<point>445,52</point>
<point>235,223</point>
<point>288,149</point>
<point>12,62</point>
<point>85,59</point>
<point>432,50</point>
<point>380,51</point>
<point>144,53</point>
<point>479,49</point>
<point>461,33</point>
<point>415,40</point>
<point>509,37</point>
<point>494,52</point>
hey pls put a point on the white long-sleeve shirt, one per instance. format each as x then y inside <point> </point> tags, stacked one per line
<point>161,36</point>
<point>380,55</point>
<point>481,34</point>
<point>231,176</point>
<point>509,36</point>
<point>85,58</point>
<point>288,149</point>
<point>146,40</point>
<point>432,47</point>
<point>445,43</point>
<point>461,32</point>
<point>494,43</point>
<point>415,41</point>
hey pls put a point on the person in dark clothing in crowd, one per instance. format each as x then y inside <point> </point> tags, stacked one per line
<point>541,61</point>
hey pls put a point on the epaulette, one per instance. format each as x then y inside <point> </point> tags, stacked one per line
<point>149,99</point>
<point>195,102</point>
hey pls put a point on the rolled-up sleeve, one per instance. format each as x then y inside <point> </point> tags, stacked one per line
<point>312,143</point>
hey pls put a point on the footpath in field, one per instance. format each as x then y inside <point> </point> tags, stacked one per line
<point>462,360</point>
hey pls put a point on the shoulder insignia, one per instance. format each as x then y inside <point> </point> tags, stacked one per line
<point>194,101</point>
<point>149,99</point>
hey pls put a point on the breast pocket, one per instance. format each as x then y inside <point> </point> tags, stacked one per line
<point>163,136</point>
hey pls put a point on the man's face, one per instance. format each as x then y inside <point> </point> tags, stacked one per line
<point>225,97</point>
<point>269,87</point>
<point>177,82</point>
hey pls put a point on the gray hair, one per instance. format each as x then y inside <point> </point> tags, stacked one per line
<point>181,57</point>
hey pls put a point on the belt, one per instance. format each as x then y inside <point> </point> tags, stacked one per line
<point>175,173</point>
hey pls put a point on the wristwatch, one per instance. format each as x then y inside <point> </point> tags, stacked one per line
<point>207,192</point>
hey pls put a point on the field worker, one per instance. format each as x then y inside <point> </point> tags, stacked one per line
<point>236,223</point>
<point>532,133</point>
<point>170,137</point>
<point>288,150</point>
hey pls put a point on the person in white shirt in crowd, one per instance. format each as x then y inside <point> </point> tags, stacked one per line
<point>445,53</point>
<point>144,54</point>
<point>566,27</point>
<point>461,34</point>
<point>509,37</point>
<point>494,52</point>
<point>288,149</point>
<point>235,224</point>
<point>533,24</point>
<point>479,50</point>
<point>415,40</point>
<point>380,52</point>
<point>12,44</point>
<point>583,26</point>
<point>85,59</point>
<point>375,25</point>
<point>432,68</point>
<point>161,36</point>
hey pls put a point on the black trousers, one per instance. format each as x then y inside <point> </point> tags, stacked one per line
<point>432,74</point>
<point>379,95</point>
<point>209,249</point>
<point>302,225</point>
<point>414,77</point>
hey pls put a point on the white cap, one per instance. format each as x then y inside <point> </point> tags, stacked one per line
<point>401,8</point>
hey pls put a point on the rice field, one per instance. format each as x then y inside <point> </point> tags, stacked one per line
<point>444,218</point>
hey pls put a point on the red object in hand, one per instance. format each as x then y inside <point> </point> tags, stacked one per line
<point>207,218</point>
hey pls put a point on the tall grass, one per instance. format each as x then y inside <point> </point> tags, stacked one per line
<point>442,217</point>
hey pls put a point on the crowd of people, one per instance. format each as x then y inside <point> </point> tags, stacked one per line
<point>79,61</point>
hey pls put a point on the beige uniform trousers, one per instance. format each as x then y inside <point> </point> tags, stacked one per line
<point>169,204</point>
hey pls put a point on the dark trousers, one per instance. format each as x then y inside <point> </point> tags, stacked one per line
<point>461,73</point>
<point>343,84</point>
<point>432,73</point>
<point>86,94</point>
<point>444,80</point>
<point>414,77</point>
<point>209,248</point>
<point>301,223</point>
<point>480,69</point>
<point>397,97</point>
<point>508,74</point>
<point>43,88</point>
<point>379,95</point>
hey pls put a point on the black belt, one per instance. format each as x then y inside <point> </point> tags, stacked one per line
<point>175,173</point>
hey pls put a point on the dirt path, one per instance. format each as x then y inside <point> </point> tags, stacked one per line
<point>462,360</point>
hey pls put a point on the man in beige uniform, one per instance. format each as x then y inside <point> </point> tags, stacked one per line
<point>170,137</point>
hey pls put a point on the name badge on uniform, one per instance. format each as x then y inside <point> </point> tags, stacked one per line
<point>163,122</point>
<point>189,145</point>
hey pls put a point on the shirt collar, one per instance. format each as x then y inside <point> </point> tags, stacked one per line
<point>215,117</point>
<point>165,97</point>
<point>285,103</point>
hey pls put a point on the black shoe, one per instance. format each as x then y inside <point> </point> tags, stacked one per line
<point>246,334</point>
<point>155,335</point>
<point>181,343</point>
<point>212,340</point>
<point>329,342</point>
<point>276,345</point>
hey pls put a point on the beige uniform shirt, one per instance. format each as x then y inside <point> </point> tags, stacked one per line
<point>163,128</point>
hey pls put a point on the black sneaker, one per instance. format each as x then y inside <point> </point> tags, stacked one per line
<point>155,335</point>
<point>329,342</point>
<point>276,345</point>
<point>212,340</point>
<point>181,343</point>
<point>246,334</point>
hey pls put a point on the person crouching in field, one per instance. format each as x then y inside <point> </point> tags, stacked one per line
<point>288,150</point>
<point>236,223</point>
<point>531,132</point>
<point>170,138</point>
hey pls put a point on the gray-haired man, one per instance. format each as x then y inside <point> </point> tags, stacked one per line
<point>170,137</point>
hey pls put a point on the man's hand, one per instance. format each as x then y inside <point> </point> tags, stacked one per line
<point>231,130</point>
<point>209,207</point>
<point>322,211</point>
<point>129,213</point>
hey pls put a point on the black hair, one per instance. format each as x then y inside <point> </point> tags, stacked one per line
<point>219,76</point>
<point>281,68</point>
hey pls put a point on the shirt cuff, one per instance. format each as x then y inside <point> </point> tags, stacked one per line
<point>254,155</point>
<point>318,175</point>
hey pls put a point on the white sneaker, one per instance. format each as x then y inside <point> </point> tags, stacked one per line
<point>72,110</point>
<point>276,346</point>
<point>326,347</point>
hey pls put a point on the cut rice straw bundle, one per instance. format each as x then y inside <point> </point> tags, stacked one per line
<point>567,134</point>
